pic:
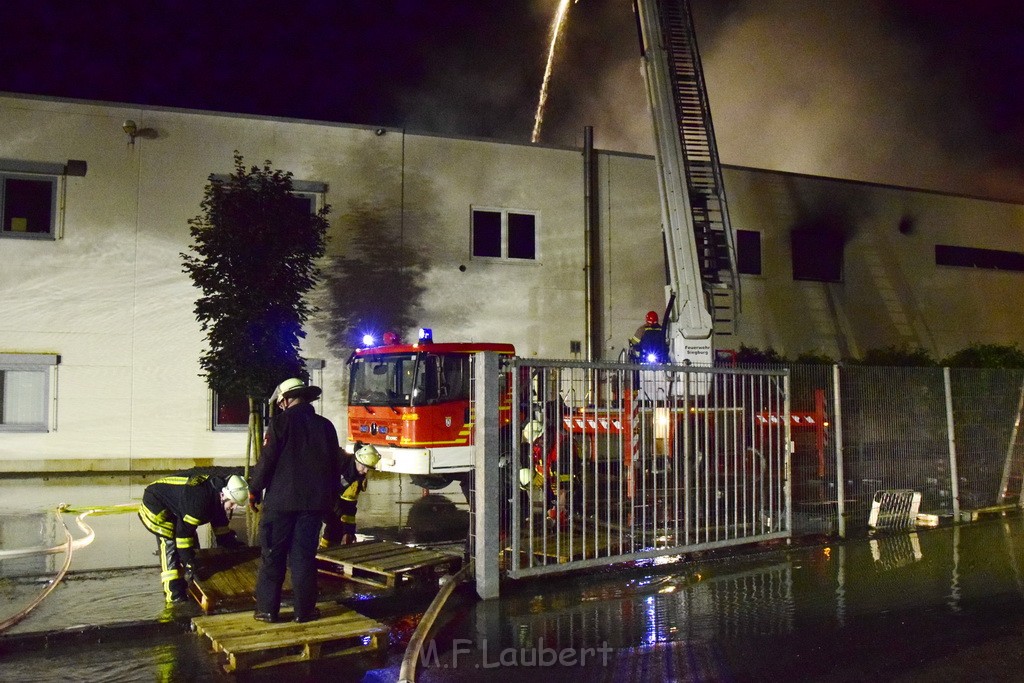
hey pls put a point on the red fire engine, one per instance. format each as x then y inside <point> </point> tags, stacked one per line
<point>412,402</point>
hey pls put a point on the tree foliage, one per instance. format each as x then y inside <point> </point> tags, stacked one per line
<point>253,257</point>
<point>895,356</point>
<point>986,356</point>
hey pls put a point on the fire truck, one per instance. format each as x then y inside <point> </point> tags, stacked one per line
<point>412,402</point>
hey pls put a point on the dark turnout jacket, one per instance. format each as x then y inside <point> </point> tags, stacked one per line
<point>300,467</point>
<point>175,506</point>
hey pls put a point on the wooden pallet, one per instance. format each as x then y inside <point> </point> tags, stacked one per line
<point>229,579</point>
<point>250,644</point>
<point>386,564</point>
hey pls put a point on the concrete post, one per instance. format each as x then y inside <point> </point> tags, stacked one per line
<point>487,494</point>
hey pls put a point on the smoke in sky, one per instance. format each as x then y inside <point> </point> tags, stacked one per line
<point>922,93</point>
<point>840,89</point>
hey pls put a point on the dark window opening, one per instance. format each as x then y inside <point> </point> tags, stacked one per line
<point>28,205</point>
<point>487,233</point>
<point>970,257</point>
<point>817,255</point>
<point>522,236</point>
<point>748,252</point>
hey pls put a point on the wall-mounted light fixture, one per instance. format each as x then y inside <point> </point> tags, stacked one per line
<point>133,131</point>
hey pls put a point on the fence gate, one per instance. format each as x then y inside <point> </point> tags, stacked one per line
<point>604,462</point>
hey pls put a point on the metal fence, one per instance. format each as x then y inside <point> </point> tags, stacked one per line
<point>603,462</point>
<point>606,462</point>
<point>950,434</point>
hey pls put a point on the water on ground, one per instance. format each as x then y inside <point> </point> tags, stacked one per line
<point>929,605</point>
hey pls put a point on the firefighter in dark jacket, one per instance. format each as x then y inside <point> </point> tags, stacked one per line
<point>340,523</point>
<point>648,345</point>
<point>174,507</point>
<point>294,484</point>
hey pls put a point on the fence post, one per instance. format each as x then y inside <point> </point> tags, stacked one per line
<point>954,482</point>
<point>837,429</point>
<point>790,450</point>
<point>487,496</point>
<point>1004,483</point>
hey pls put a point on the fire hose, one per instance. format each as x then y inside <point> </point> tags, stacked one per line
<point>68,547</point>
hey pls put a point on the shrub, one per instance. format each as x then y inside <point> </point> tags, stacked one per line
<point>986,356</point>
<point>895,356</point>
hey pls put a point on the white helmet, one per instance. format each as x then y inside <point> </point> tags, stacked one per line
<point>368,456</point>
<point>293,386</point>
<point>236,490</point>
<point>532,430</point>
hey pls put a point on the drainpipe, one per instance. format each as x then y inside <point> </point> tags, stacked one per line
<point>591,255</point>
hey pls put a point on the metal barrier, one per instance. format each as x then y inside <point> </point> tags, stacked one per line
<point>950,434</point>
<point>608,462</point>
<point>597,463</point>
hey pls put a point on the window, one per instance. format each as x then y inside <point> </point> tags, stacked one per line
<point>25,391</point>
<point>503,234</point>
<point>969,257</point>
<point>308,194</point>
<point>28,196</point>
<point>817,255</point>
<point>231,411</point>
<point>748,252</point>
<point>29,204</point>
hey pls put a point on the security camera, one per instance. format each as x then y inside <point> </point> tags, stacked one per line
<point>129,127</point>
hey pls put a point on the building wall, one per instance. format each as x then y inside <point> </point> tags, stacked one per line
<point>109,295</point>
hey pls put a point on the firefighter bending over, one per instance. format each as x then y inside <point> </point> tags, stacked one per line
<point>174,507</point>
<point>648,345</point>
<point>340,523</point>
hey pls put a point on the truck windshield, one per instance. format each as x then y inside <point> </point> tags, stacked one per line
<point>409,379</point>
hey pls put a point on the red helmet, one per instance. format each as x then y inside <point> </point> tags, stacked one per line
<point>652,318</point>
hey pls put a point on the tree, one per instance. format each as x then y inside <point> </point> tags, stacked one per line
<point>254,252</point>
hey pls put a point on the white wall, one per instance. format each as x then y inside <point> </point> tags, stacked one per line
<point>110,297</point>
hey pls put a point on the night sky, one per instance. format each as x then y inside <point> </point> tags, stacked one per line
<point>925,93</point>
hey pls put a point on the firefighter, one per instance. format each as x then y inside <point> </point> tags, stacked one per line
<point>174,507</point>
<point>340,523</point>
<point>553,460</point>
<point>647,345</point>
<point>295,483</point>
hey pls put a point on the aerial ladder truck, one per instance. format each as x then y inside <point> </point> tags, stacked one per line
<point>702,293</point>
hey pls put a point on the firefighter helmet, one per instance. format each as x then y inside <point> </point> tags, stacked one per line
<point>236,489</point>
<point>525,477</point>
<point>652,318</point>
<point>367,456</point>
<point>532,430</point>
<point>295,387</point>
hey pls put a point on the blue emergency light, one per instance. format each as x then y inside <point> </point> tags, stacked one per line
<point>368,340</point>
<point>426,335</point>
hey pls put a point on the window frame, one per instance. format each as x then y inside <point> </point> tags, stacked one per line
<point>505,243</point>
<point>315,368</point>
<point>53,181</point>
<point>42,363</point>
<point>55,174</point>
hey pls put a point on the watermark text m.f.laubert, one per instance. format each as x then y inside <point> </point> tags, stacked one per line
<point>536,655</point>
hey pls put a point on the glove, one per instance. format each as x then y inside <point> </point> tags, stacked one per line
<point>254,501</point>
<point>230,540</point>
<point>348,539</point>
<point>190,572</point>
